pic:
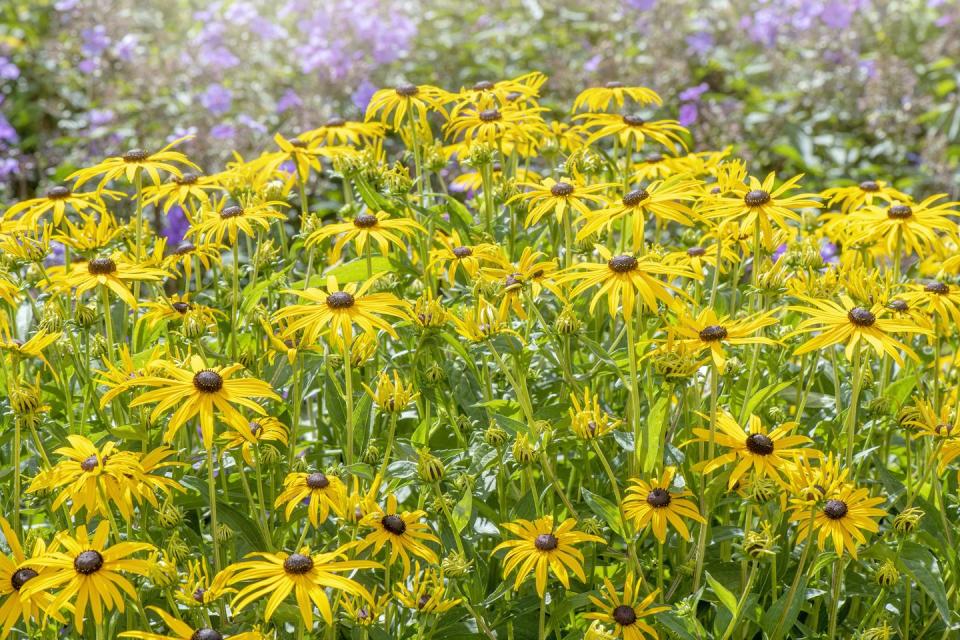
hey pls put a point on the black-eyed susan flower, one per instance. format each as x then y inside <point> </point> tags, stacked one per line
<point>179,630</point>
<point>338,131</point>
<point>115,273</point>
<point>366,229</point>
<point>708,331</point>
<point>175,309</point>
<point>186,191</point>
<point>307,576</point>
<point>632,129</point>
<point>426,593</point>
<point>262,429</point>
<point>391,395</point>
<point>627,611</point>
<point>418,101</point>
<point>335,311</point>
<point>906,226</point>
<point>656,504</point>
<point>196,389</point>
<point>501,91</point>
<point>533,272</point>
<point>848,324</point>
<point>588,420</point>
<point>16,571</point>
<point>842,517</point>
<point>863,194</point>
<point>402,531</point>
<point>33,347</point>
<point>322,493</point>
<point>93,234</point>
<point>136,162</point>
<point>186,258</point>
<point>492,125</point>
<point>363,613</point>
<point>937,299</point>
<point>540,547</point>
<point>623,278</point>
<point>56,200</point>
<point>198,588</point>
<point>481,321</point>
<point>82,571</point>
<point>599,98</point>
<point>770,454</point>
<point>218,219</point>
<point>700,257</point>
<point>565,196</point>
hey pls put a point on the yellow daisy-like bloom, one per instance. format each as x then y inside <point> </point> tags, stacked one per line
<point>337,131</point>
<point>654,504</point>
<point>493,125</point>
<point>587,419</point>
<point>473,180</point>
<point>938,299</point>
<point>760,203</point>
<point>186,257</point>
<point>623,277</point>
<point>842,516</point>
<point>626,612</point>
<point>632,129</point>
<point>558,197</point>
<point>183,190</point>
<point>455,254</point>
<point>136,162</point>
<point>859,195</point>
<point>87,573</point>
<point>663,200</point>
<point>91,478</point>
<point>219,220</point>
<point>265,429</point>
<point>325,493</point>
<point>57,199</point>
<point>16,571</point>
<point>566,138</point>
<point>426,594</point>
<point>303,155</point>
<point>402,531</point>
<point>363,613</point>
<point>391,396</point>
<point>179,630</point>
<point>541,547</point>
<point>176,308</point>
<point>198,589</point>
<point>768,454</point>
<point>482,322</point>
<point>707,331</point>
<point>403,99</point>
<point>335,311</point>
<point>32,348</point>
<point>113,273</point>
<point>501,92</point>
<point>533,270</point>
<point>911,227</point>
<point>366,228</point>
<point>813,483</point>
<point>93,234</point>
<point>308,576</point>
<point>599,98</point>
<point>196,389</point>
<point>850,324</point>
<point>698,258</point>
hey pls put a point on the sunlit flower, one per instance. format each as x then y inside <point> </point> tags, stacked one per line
<point>136,162</point>
<point>656,504</point>
<point>599,98</point>
<point>366,229</point>
<point>402,531</point>
<point>626,612</point>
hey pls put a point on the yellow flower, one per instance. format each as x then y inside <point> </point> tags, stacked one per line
<point>264,429</point>
<point>911,227</point>
<point>57,199</point>
<point>324,493</point>
<point>402,531</point>
<point>859,195</point>
<point>189,188</point>
<point>842,517</point>
<point>707,331</point>
<point>540,546</point>
<point>698,258</point>
<point>455,254</point>
<point>113,273</point>
<point>93,234</point>
<point>186,257</point>
<point>599,98</point>
<point>198,589</point>
<point>176,308</point>
<point>427,593</point>
<point>587,419</point>
<point>308,576</point>
<point>626,612</point>
<point>558,197</point>
<point>218,220</point>
<point>530,274</point>
<point>938,299</point>
<point>179,630</point>
<point>768,454</point>
<point>196,389</point>
<point>632,129</point>
<point>88,573</point>
<point>337,131</point>
<point>482,322</point>
<point>654,504</point>
<point>16,571</point>
<point>135,162</point>
<point>403,99</point>
<point>391,396</point>
<point>366,228</point>
<point>305,156</point>
<point>32,348</point>
<point>493,125</point>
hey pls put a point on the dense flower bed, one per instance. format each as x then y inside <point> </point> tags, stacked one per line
<point>459,369</point>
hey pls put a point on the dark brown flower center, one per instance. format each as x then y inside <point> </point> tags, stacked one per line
<point>940,288</point>
<point>407,90</point>
<point>199,594</point>
<point>394,524</point>
<point>423,601</point>
<point>340,300</point>
<point>713,333</point>
<point>232,211</point>
<point>180,307</point>
<point>546,542</point>
<point>207,381</point>
<point>489,115</point>
<point>318,480</point>
<point>20,577</point>
<point>188,177</point>
<point>696,252</point>
<point>635,197</point>
<point>869,186</point>
<point>759,444</point>
<point>622,264</point>
<point>135,155</point>
<point>184,248</point>
<point>206,634</point>
<point>462,252</point>
<point>335,122</point>
<point>835,509</point>
<point>101,266</point>
<point>255,429</point>
<point>365,221</point>
<point>861,317</point>
<point>483,85</point>
<point>88,562</point>
<point>899,212</point>
<point>654,159</point>
<point>943,429</point>
<point>633,120</point>
<point>658,498</point>
<point>298,143</point>
<point>898,305</point>
<point>58,193</point>
<point>297,563</point>
<point>624,615</point>
<point>89,464</point>
<point>756,198</point>
<point>561,189</point>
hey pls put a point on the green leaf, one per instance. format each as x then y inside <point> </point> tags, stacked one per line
<point>656,423</point>
<point>723,594</point>
<point>357,269</point>
<point>458,209</point>
<point>604,509</point>
<point>462,511</point>
<point>771,619</point>
<point>921,564</point>
<point>765,393</point>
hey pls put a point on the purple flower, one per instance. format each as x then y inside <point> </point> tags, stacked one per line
<point>362,94</point>
<point>8,167</point>
<point>175,226</point>
<point>251,123</point>
<point>289,100</point>
<point>688,113</point>
<point>217,99</point>
<point>240,13</point>
<point>8,70</point>
<point>692,94</point>
<point>778,253</point>
<point>127,47</point>
<point>7,132</point>
<point>700,42</point>
<point>87,66</point>
<point>223,131</point>
<point>828,252</point>
<point>641,5</point>
<point>65,5</point>
<point>95,41</point>
<point>592,63</point>
<point>100,117</point>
